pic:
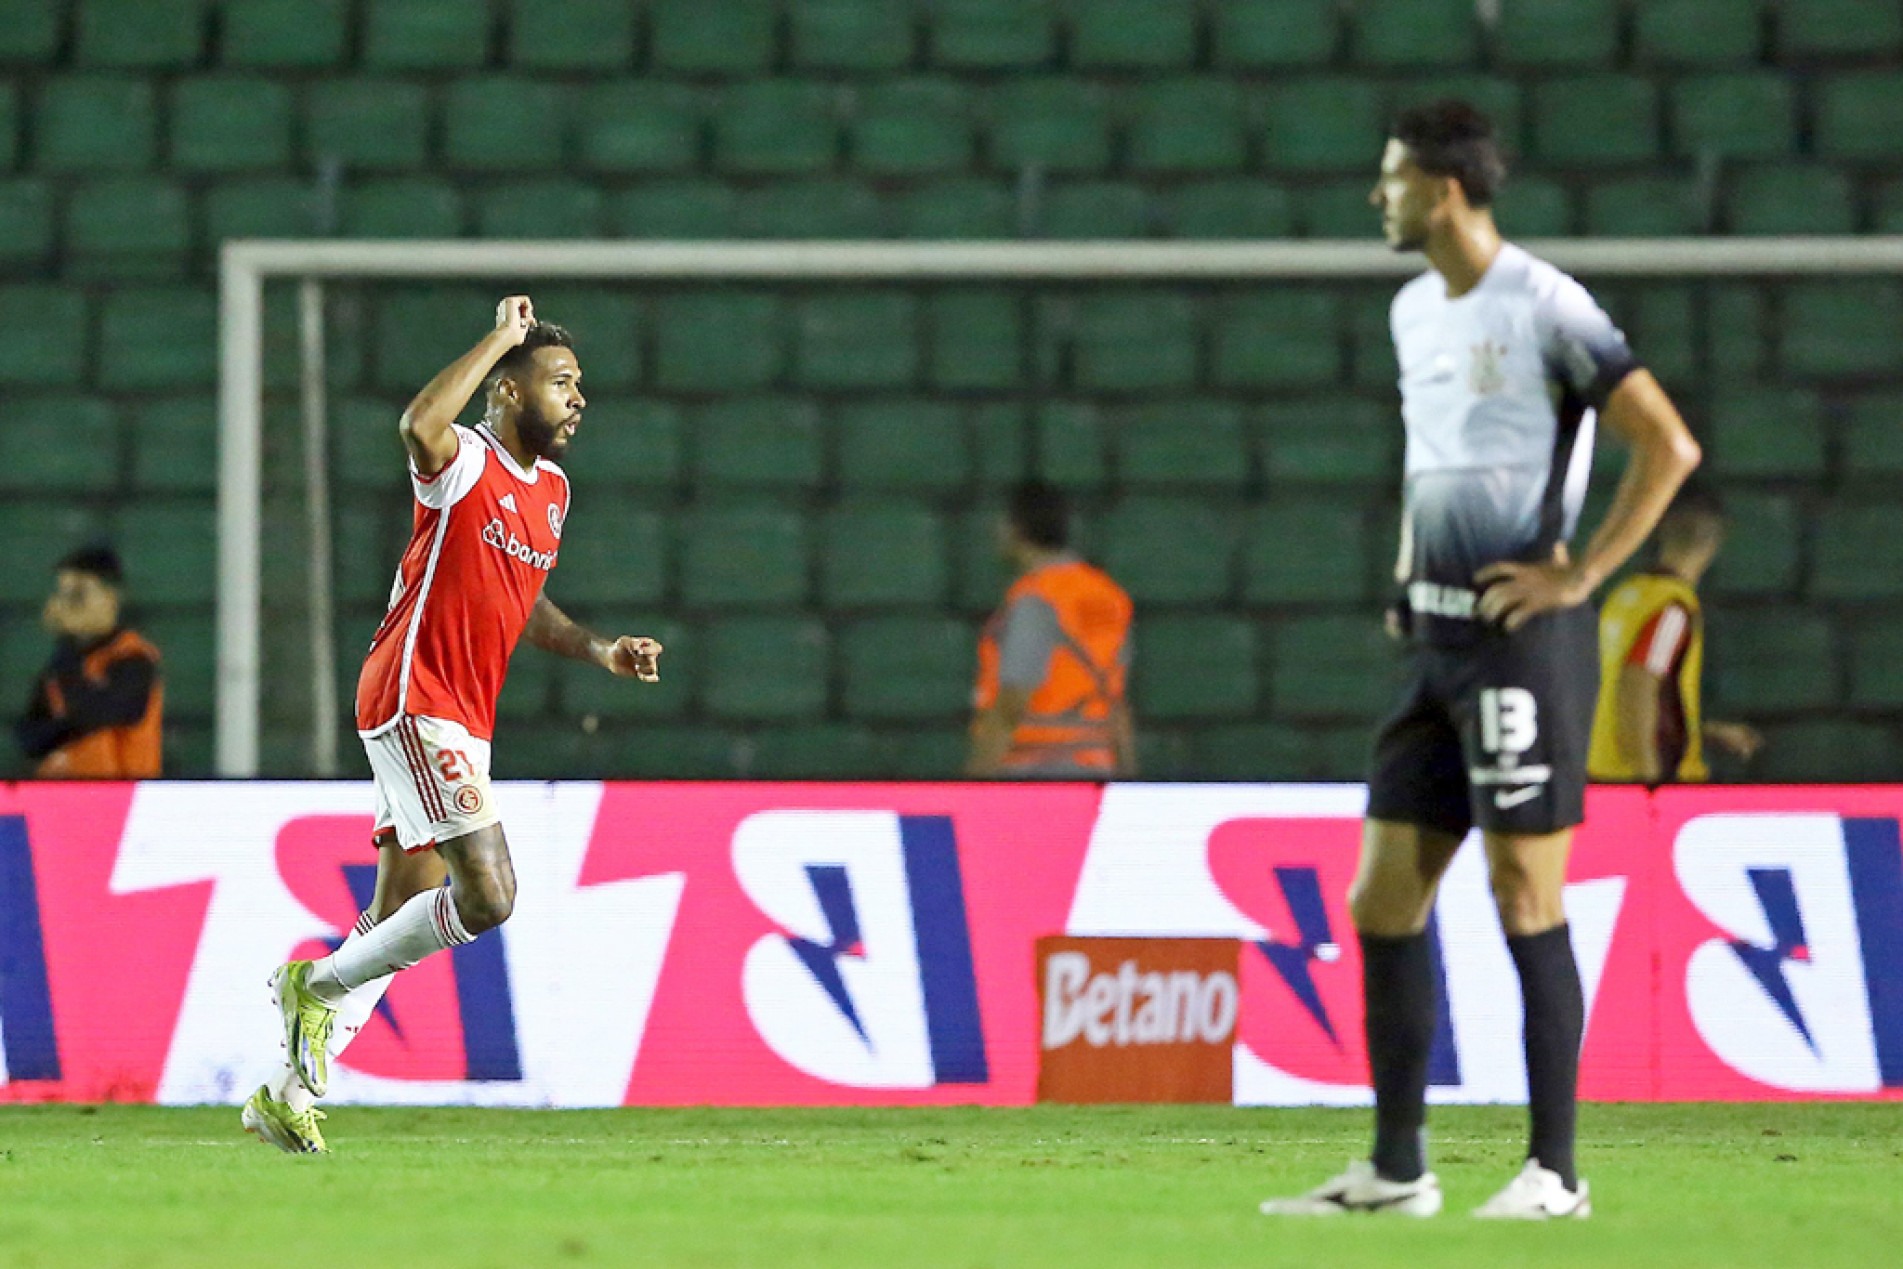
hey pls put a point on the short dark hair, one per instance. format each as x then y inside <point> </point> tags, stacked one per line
<point>1451,137</point>
<point>541,335</point>
<point>1697,513</point>
<point>101,562</point>
<point>1040,513</point>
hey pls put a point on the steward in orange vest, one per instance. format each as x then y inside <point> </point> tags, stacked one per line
<point>96,708</point>
<point>1054,660</point>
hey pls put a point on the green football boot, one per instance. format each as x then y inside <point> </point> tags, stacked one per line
<point>307,1023</point>
<point>269,1119</point>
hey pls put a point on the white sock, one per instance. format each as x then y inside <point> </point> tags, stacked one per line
<point>428,923</point>
<point>352,1012</point>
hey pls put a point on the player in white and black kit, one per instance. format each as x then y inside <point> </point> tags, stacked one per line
<point>1505,362</point>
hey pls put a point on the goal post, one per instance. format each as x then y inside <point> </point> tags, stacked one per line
<point>245,266</point>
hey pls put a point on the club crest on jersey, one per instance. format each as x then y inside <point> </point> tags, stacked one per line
<point>496,534</point>
<point>555,521</point>
<point>468,799</point>
<point>1487,374</point>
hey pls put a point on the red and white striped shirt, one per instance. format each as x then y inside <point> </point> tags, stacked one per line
<point>484,539</point>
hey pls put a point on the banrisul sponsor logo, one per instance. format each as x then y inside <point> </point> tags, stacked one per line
<point>498,535</point>
<point>1135,1007</point>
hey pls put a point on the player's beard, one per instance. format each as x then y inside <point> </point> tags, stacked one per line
<point>543,438</point>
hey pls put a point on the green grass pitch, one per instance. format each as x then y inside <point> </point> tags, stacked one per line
<point>1178,1186</point>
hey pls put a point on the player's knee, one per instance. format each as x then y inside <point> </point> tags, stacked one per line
<point>1384,910</point>
<point>1525,905</point>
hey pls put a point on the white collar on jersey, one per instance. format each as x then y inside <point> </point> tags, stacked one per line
<point>528,477</point>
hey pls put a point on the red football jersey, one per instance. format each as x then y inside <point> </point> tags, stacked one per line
<point>485,538</point>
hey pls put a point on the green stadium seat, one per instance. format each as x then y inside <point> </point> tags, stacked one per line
<point>585,694</point>
<point>824,207</point>
<point>938,754</point>
<point>496,123</point>
<point>1887,214</point>
<point>1737,321</point>
<point>94,123</point>
<point>1273,34</point>
<point>743,555</point>
<point>633,443</point>
<point>1850,562</point>
<point>127,227</point>
<point>259,207</point>
<point>188,664</point>
<point>777,127</point>
<point>26,222</point>
<point>1096,210</point>
<point>1128,35</point>
<point>1331,441</point>
<point>1056,125</point>
<point>571,35</point>
<point>1747,114</point>
<point>765,668</point>
<point>1332,667</point>
<point>1000,437</point>
<point>1770,660</point>
<point>828,751</point>
<point>1236,207</point>
<point>169,560</point>
<point>11,116</point>
<point>758,441</point>
<point>1280,751</point>
<point>540,209</point>
<point>1595,120</point>
<point>982,575</point>
<point>1860,115</point>
<point>1323,125</point>
<point>639,127</point>
<point>420,329</point>
<point>1188,125</point>
<point>908,668</point>
<point>1277,338</point>
<point>1836,28</point>
<point>973,339</point>
<point>719,342</point>
<point>1135,341</point>
<point>1501,99</point>
<point>1807,752</point>
<point>528,689</point>
<point>918,445</point>
<point>1307,551</point>
<point>283,33</point>
<point>733,38</point>
<point>1194,666</point>
<point>1406,33</point>
<point>1876,664</point>
<point>1070,445</point>
<point>362,434</point>
<point>1183,444</point>
<point>31,34</point>
<point>158,337</point>
<point>1697,32</point>
<point>366,124</point>
<point>1171,550</point>
<point>231,125</point>
<point>1164,753</point>
<point>62,444</point>
<point>992,34</point>
<point>1645,207</point>
<point>401,207</point>
<point>1762,545</point>
<point>424,35</point>
<point>1541,33</point>
<point>674,209</point>
<point>691,753</point>
<point>1338,209</point>
<point>857,339</point>
<point>972,208</point>
<point>1535,207</point>
<point>616,555</point>
<point>368,540</point>
<point>43,532</point>
<point>907,126</point>
<point>883,555</point>
<point>606,323</point>
<point>1842,328</point>
<point>1767,433</point>
<point>174,439</point>
<point>1873,436</point>
<point>50,351</point>
<point>1664,331</point>
<point>139,33</point>
<point>850,35</point>
<point>1371,342</point>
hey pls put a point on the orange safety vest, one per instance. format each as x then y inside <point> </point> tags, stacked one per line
<point>130,752</point>
<point>1068,724</point>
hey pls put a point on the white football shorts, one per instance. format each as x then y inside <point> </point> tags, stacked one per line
<point>432,781</point>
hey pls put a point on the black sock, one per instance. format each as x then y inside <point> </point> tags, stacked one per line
<point>1397,984</point>
<point>1555,1024</point>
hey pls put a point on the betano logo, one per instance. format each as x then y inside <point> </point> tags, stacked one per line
<point>1132,1007</point>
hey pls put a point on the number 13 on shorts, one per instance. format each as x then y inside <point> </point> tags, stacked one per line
<point>1509,720</point>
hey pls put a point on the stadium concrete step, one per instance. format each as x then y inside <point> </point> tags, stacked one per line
<point>918,445</point>
<point>909,126</point>
<point>1769,661</point>
<point>959,208</point>
<point>1767,433</point>
<point>128,228</point>
<point>974,339</point>
<point>1842,329</point>
<point>640,127</point>
<point>1873,436</point>
<point>137,34</point>
<point>758,441</point>
<point>1132,35</point>
<point>27,229</point>
<point>273,34</point>
<point>238,123</point>
<point>1308,551</point>
<point>1233,207</point>
<point>1860,115</point>
<point>828,751</point>
<point>992,34</point>
<point>765,668</point>
<point>424,35</point>
<point>1323,124</point>
<point>1650,206</point>
<point>684,208</point>
<point>1740,114</point>
<point>1332,667</point>
<point>1828,749</point>
<point>399,207</point>
<point>571,35</point>
<point>61,444</point>
<point>258,207</point>
<point>935,754</point>
<point>1596,120</point>
<point>1188,125</point>
<point>1069,445</point>
<point>1185,445</point>
<point>777,127</point>
<point>1171,550</point>
<point>1277,338</point>
<point>691,753</point>
<point>1415,33</point>
<point>852,339</point>
<point>175,441</point>
<point>158,337</point>
<point>743,555</point>
<point>168,559</point>
<point>50,350</point>
<point>1697,32</point>
<point>1850,562</point>
<point>850,35</point>
<point>1763,546</point>
<point>615,554</point>
<point>904,668</point>
<point>1056,125</point>
<point>883,554</point>
<point>540,209</point>
<point>1274,34</point>
<point>95,123</point>
<point>719,342</point>
<point>1329,441</point>
<point>816,207</point>
<point>1227,680</point>
<point>1542,34</point>
<point>1099,210</point>
<point>504,124</point>
<point>1831,29</point>
<point>1279,751</point>
<point>1134,341</point>
<point>368,124</point>
<point>735,38</point>
<point>584,691</point>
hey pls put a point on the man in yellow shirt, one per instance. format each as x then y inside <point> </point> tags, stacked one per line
<point>1649,727</point>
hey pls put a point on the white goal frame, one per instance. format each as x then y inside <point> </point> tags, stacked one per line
<point>246,265</point>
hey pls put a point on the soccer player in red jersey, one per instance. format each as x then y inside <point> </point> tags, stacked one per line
<point>490,506</point>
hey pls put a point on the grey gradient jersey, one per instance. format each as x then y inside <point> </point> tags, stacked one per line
<point>1498,392</point>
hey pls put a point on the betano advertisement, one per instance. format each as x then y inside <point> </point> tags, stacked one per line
<point>756,944</point>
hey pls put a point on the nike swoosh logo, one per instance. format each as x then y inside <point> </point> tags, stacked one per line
<point>1507,801</point>
<point>1375,1205</point>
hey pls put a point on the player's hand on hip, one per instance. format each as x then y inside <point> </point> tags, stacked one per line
<point>514,316</point>
<point>636,657</point>
<point>1514,594</point>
